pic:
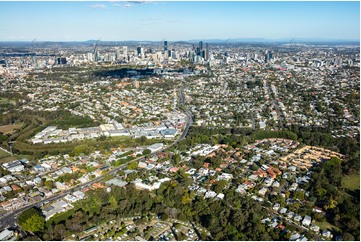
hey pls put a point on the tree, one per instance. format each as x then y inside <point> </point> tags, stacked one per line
<point>164,216</point>
<point>299,195</point>
<point>176,158</point>
<point>49,184</point>
<point>147,152</point>
<point>348,237</point>
<point>60,229</point>
<point>132,165</point>
<point>142,139</point>
<point>32,238</point>
<point>31,220</point>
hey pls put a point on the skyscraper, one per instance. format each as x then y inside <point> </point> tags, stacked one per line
<point>165,46</point>
<point>268,56</point>
<point>140,51</point>
<point>207,52</point>
<point>200,45</point>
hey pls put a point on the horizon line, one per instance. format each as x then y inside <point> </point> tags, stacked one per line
<point>190,40</point>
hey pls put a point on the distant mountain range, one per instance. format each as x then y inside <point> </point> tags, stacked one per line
<point>194,41</point>
<point>232,41</point>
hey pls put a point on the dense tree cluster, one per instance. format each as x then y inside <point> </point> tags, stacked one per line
<point>233,218</point>
<point>265,134</point>
<point>230,219</point>
<point>342,207</point>
<point>31,220</point>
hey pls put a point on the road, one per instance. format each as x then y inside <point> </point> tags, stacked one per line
<point>278,110</point>
<point>10,218</point>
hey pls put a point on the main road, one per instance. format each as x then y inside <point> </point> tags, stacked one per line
<point>10,218</point>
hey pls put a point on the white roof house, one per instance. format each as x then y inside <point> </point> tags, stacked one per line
<point>307,220</point>
<point>6,234</point>
<point>155,147</point>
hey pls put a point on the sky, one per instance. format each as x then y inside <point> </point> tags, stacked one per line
<point>156,21</point>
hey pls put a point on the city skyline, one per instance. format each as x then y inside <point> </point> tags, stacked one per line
<point>155,21</point>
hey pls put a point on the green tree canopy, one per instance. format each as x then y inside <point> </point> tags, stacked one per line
<point>31,220</point>
<point>147,152</point>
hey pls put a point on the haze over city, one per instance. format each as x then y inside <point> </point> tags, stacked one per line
<point>148,20</point>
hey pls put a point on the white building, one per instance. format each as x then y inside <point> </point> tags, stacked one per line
<point>6,235</point>
<point>155,147</point>
<point>307,221</point>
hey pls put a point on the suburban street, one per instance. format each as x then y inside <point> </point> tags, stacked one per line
<point>10,218</point>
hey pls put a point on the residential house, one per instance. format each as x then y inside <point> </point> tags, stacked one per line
<point>60,185</point>
<point>116,182</point>
<point>79,194</point>
<point>6,235</point>
<point>306,221</point>
<point>263,191</point>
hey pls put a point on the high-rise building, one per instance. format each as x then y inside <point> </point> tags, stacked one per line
<point>118,54</point>
<point>97,56</point>
<point>125,51</point>
<point>201,45</point>
<point>203,54</point>
<point>61,60</point>
<point>140,51</point>
<point>165,46</point>
<point>90,56</point>
<point>207,52</point>
<point>268,56</point>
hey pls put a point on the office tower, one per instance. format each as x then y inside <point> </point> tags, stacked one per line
<point>268,56</point>
<point>61,61</point>
<point>202,54</point>
<point>207,52</point>
<point>165,46</point>
<point>140,51</point>
<point>125,51</point>
<point>97,56</point>
<point>90,56</point>
<point>201,45</point>
<point>118,54</point>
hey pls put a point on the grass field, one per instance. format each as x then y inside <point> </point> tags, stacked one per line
<point>351,182</point>
<point>3,154</point>
<point>12,158</point>
<point>325,225</point>
<point>9,129</point>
